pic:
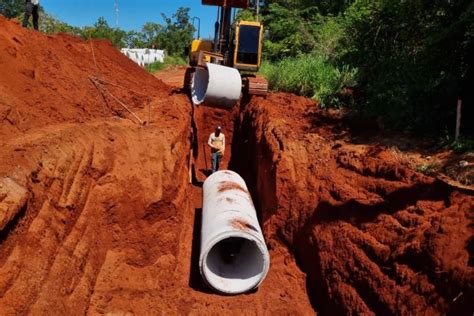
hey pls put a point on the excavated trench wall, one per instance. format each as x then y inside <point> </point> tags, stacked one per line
<point>96,211</point>
<point>372,235</point>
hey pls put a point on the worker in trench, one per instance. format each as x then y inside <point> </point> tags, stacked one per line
<point>31,9</point>
<point>217,143</point>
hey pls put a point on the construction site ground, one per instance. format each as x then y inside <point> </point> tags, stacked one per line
<point>98,214</point>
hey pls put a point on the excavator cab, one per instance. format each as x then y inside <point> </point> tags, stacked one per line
<point>248,46</point>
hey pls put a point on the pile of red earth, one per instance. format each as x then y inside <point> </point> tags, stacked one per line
<point>52,79</point>
<point>97,215</point>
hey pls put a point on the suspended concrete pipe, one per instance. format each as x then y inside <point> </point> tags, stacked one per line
<point>234,257</point>
<point>216,85</point>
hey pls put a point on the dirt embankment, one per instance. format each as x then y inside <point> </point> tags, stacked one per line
<point>92,203</point>
<point>374,236</point>
<point>97,206</point>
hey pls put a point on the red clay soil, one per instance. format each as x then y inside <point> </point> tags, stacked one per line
<point>97,215</point>
<point>374,236</point>
<point>47,79</point>
<point>172,76</point>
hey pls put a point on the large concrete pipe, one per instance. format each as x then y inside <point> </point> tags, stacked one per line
<point>234,257</point>
<point>216,85</point>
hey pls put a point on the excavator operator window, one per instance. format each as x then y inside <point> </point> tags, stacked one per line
<point>248,45</point>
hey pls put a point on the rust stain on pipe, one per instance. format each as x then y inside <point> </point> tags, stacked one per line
<point>227,185</point>
<point>242,225</point>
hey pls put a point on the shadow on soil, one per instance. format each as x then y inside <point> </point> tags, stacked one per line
<point>195,280</point>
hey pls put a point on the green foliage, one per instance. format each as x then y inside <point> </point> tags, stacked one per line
<point>102,30</point>
<point>412,59</point>
<point>310,75</point>
<point>135,39</point>
<point>169,61</point>
<point>50,25</point>
<point>428,169</point>
<point>173,37</point>
<point>12,8</point>
<point>292,31</point>
<point>154,67</point>
<point>462,145</point>
<point>176,33</point>
<point>176,60</point>
<point>246,15</point>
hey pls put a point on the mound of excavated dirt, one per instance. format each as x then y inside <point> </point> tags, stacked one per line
<point>374,236</point>
<point>47,79</point>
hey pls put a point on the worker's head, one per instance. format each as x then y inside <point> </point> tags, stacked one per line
<point>218,130</point>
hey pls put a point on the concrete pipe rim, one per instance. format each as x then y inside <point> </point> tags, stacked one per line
<point>229,172</point>
<point>249,284</point>
<point>199,84</point>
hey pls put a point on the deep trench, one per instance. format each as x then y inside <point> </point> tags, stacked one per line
<point>245,153</point>
<point>238,159</point>
<point>251,158</point>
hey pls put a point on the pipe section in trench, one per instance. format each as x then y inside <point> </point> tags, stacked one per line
<point>234,258</point>
<point>216,85</point>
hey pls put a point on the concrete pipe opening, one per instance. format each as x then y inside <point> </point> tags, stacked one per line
<point>234,258</point>
<point>199,85</point>
<point>234,265</point>
<point>216,85</point>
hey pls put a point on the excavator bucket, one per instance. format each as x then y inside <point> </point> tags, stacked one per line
<point>243,4</point>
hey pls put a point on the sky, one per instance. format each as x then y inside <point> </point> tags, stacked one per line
<point>132,13</point>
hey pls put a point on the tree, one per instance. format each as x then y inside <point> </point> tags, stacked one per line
<point>150,32</point>
<point>177,33</point>
<point>134,39</point>
<point>413,56</point>
<point>12,8</point>
<point>292,29</point>
<point>413,59</point>
<point>101,29</point>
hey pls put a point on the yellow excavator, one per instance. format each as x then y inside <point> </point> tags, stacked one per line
<point>220,71</point>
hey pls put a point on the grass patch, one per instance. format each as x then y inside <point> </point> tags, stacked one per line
<point>311,76</point>
<point>154,67</point>
<point>428,169</point>
<point>462,146</point>
<point>169,61</point>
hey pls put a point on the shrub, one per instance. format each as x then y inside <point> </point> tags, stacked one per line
<point>169,61</point>
<point>310,75</point>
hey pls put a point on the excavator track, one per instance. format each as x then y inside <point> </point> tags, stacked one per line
<point>255,85</point>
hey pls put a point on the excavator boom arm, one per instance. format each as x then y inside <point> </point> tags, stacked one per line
<point>241,4</point>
